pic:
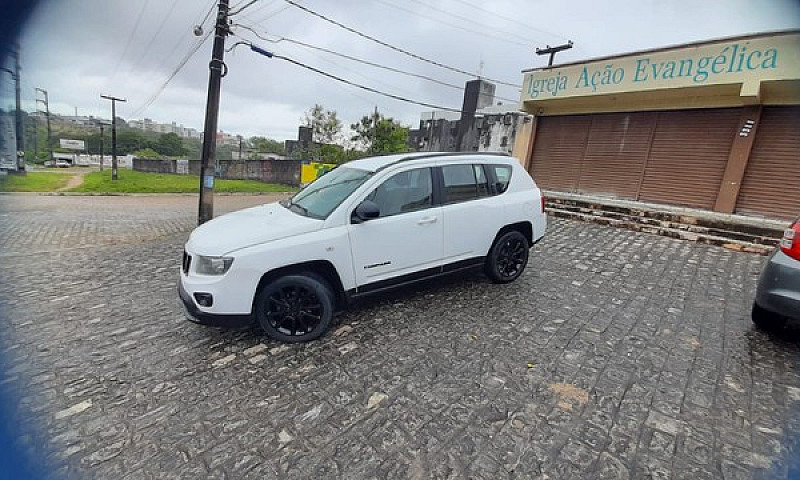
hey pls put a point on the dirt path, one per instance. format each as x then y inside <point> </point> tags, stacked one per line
<point>73,182</point>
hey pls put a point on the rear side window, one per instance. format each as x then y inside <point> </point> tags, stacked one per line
<point>460,184</point>
<point>502,177</point>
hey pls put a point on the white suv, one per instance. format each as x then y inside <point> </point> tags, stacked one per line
<point>362,228</point>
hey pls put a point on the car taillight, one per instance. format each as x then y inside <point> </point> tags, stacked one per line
<point>790,243</point>
<point>544,200</point>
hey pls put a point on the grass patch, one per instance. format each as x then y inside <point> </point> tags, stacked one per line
<point>129,181</point>
<point>34,182</point>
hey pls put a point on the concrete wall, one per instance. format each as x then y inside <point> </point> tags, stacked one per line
<point>272,171</point>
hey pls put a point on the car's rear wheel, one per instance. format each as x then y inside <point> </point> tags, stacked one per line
<point>766,320</point>
<point>295,308</point>
<point>507,258</point>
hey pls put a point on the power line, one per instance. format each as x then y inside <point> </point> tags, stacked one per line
<point>177,69</point>
<point>181,38</point>
<point>397,49</point>
<point>360,60</point>
<point>469,20</point>
<point>274,13</point>
<point>240,10</point>
<point>509,19</point>
<point>210,9</point>
<point>345,81</point>
<point>191,52</point>
<point>130,38</point>
<point>153,38</point>
<point>259,8</point>
<point>460,27</point>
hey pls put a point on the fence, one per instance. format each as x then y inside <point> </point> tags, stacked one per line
<point>272,171</point>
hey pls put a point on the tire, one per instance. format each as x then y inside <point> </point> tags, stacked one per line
<point>507,258</point>
<point>295,308</point>
<point>766,320</point>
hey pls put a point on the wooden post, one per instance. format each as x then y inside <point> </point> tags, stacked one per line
<point>737,159</point>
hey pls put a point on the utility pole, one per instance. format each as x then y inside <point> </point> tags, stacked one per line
<point>553,50</point>
<point>217,70</point>
<point>240,147</point>
<point>47,113</point>
<point>114,101</point>
<point>20,128</point>
<point>102,146</point>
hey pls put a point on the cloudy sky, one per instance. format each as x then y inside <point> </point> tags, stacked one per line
<point>78,49</point>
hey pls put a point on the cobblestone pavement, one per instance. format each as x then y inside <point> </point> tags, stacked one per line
<point>616,355</point>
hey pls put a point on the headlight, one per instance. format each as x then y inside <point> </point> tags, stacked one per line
<point>213,265</point>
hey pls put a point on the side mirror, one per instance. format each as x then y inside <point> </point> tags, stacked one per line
<point>366,210</point>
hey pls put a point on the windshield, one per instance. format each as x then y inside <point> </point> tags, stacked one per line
<point>322,196</point>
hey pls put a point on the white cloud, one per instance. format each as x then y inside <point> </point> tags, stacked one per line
<point>74,49</point>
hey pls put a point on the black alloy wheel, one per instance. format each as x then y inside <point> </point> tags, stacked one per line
<point>295,308</point>
<point>507,257</point>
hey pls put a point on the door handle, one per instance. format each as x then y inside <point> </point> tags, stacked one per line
<point>426,220</point>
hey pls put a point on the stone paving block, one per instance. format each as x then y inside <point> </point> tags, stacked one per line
<point>616,355</point>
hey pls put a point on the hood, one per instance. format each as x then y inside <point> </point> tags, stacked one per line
<point>248,227</point>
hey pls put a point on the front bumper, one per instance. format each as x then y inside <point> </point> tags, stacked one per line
<point>779,286</point>
<point>194,314</point>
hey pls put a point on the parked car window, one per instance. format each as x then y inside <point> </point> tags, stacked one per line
<point>404,192</point>
<point>322,196</point>
<point>459,183</point>
<point>483,184</point>
<point>502,174</point>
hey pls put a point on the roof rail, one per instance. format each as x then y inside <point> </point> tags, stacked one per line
<point>441,154</point>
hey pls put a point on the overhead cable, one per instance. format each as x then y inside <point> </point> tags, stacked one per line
<point>508,19</point>
<point>154,36</point>
<point>269,54</point>
<point>526,44</point>
<point>359,60</point>
<point>397,49</point>
<point>130,39</point>
<point>241,9</point>
<point>177,69</point>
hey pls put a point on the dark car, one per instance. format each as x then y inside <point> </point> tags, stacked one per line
<point>778,293</point>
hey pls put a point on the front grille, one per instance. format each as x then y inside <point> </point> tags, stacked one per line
<point>187,260</point>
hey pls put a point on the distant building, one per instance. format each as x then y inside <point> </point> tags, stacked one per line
<point>227,139</point>
<point>149,125</point>
<point>481,126</point>
<point>303,143</point>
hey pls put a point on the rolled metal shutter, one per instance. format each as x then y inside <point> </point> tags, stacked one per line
<point>615,154</point>
<point>558,151</point>
<point>771,184</point>
<point>688,156</point>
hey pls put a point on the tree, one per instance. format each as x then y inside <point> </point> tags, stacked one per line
<point>325,124</point>
<point>169,144</point>
<point>267,145</point>
<point>192,148</point>
<point>146,153</point>
<point>379,134</point>
<point>128,140</point>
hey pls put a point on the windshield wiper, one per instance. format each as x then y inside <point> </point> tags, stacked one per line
<point>302,209</point>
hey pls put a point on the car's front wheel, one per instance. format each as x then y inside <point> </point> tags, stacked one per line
<point>507,258</point>
<point>295,308</point>
<point>766,320</point>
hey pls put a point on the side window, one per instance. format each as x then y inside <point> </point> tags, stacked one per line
<point>404,192</point>
<point>502,176</point>
<point>459,183</point>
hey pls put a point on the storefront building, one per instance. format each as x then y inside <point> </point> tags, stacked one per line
<point>712,125</point>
